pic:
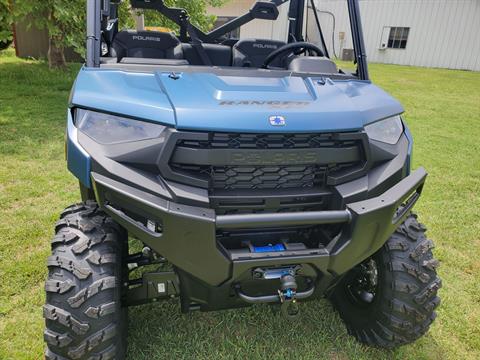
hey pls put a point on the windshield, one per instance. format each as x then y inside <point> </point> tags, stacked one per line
<point>257,28</point>
<point>297,35</point>
<point>334,21</point>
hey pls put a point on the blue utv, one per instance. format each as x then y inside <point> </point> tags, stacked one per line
<point>250,171</point>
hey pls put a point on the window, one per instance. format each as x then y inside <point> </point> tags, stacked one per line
<point>222,20</point>
<point>398,37</point>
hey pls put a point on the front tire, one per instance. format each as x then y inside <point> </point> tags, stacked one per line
<point>83,312</point>
<point>389,300</point>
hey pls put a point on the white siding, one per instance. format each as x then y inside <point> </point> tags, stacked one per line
<point>443,33</point>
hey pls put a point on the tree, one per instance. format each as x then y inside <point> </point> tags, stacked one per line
<point>6,20</point>
<point>196,9</point>
<point>65,21</point>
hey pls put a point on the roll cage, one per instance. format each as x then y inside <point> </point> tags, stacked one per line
<point>102,23</point>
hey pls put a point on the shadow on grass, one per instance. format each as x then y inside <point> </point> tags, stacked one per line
<point>260,332</point>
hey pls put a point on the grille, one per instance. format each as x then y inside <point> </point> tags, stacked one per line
<point>258,177</point>
<point>208,172</point>
<point>267,141</point>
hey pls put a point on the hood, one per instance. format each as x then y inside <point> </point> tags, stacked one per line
<point>211,102</point>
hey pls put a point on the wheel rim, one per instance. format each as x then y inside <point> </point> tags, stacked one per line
<point>362,285</point>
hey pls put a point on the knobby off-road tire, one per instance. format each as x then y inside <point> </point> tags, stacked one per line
<point>83,312</point>
<point>405,297</point>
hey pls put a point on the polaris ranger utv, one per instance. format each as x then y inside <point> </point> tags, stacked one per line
<point>252,171</point>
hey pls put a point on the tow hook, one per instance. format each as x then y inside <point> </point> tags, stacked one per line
<point>288,297</point>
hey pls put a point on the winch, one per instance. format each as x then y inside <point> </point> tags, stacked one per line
<point>287,294</point>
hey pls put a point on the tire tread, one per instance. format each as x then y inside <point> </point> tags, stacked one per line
<point>409,298</point>
<point>83,311</point>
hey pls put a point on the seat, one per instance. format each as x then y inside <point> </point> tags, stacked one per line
<point>145,44</point>
<point>253,52</point>
<point>219,55</point>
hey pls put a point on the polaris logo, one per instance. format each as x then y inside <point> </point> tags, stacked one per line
<point>266,157</point>
<point>265,46</point>
<point>146,38</point>
<point>277,120</point>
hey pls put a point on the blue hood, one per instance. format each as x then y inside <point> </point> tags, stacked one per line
<point>209,102</point>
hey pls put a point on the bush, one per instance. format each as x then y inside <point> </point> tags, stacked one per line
<point>6,18</point>
<point>65,20</point>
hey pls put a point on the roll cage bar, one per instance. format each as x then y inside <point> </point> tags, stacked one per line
<point>266,10</point>
<point>102,21</point>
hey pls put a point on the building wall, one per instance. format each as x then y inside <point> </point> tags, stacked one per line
<point>443,33</point>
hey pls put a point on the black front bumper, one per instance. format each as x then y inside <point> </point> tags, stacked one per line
<point>188,236</point>
<point>201,230</point>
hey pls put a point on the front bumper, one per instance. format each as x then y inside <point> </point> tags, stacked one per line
<point>188,234</point>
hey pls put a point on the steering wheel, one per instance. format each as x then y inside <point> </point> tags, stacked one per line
<point>290,48</point>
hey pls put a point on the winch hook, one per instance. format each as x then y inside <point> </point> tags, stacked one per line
<point>288,297</point>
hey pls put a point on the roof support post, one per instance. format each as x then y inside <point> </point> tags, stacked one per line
<point>296,16</point>
<point>94,9</point>
<point>358,41</point>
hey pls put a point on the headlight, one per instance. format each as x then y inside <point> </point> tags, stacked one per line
<point>109,129</point>
<point>386,131</point>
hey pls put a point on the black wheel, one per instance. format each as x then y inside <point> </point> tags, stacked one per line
<point>389,300</point>
<point>83,312</point>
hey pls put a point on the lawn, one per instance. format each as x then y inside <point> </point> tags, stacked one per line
<point>443,111</point>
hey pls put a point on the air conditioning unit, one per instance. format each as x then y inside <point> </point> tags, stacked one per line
<point>348,55</point>
<point>385,36</point>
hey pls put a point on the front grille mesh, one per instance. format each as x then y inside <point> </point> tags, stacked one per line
<point>265,176</point>
<point>267,141</point>
<point>258,177</point>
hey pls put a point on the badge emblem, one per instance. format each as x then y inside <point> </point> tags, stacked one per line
<point>277,120</point>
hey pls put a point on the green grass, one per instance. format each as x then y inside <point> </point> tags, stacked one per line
<point>443,110</point>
